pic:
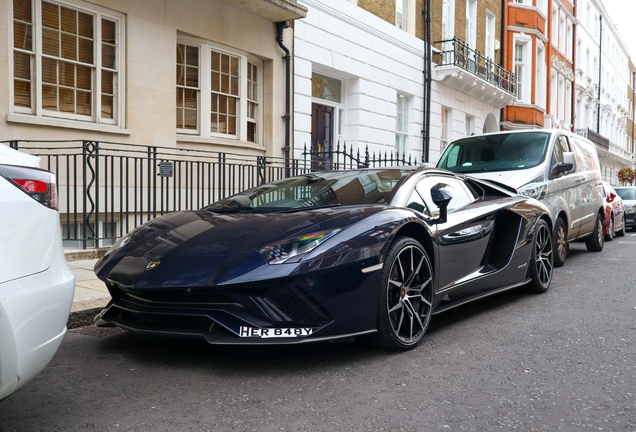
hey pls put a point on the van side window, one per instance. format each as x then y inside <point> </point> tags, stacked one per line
<point>589,158</point>
<point>560,146</point>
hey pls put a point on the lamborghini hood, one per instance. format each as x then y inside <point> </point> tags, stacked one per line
<point>195,248</point>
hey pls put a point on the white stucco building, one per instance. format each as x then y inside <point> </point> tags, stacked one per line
<point>603,87</point>
<point>359,81</point>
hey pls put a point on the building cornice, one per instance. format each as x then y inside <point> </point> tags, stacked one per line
<point>533,32</point>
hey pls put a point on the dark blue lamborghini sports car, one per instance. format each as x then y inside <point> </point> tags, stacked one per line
<point>370,253</point>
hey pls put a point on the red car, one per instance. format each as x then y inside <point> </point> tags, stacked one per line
<point>614,213</point>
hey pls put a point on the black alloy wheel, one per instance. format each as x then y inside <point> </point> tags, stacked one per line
<point>406,296</point>
<point>542,259</point>
<point>561,243</point>
<point>596,241</point>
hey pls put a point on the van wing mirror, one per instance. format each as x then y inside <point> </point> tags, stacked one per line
<point>566,165</point>
<point>442,195</point>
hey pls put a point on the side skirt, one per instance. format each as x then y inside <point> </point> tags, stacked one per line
<point>444,306</point>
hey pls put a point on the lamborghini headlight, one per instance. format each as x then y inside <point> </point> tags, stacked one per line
<point>285,250</point>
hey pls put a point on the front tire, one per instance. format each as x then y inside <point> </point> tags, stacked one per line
<point>542,259</point>
<point>561,242</point>
<point>406,296</point>
<point>596,241</point>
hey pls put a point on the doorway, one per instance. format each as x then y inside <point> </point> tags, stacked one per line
<point>322,123</point>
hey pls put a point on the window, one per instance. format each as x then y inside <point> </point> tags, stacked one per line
<point>471,23</point>
<point>470,121</point>
<point>402,14</point>
<point>448,29</point>
<point>446,122</point>
<point>541,78</point>
<point>68,61</point>
<point>461,195</point>
<point>401,124</point>
<point>218,91</point>
<point>490,35</point>
<point>522,67</point>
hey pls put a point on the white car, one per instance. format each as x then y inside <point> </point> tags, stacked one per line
<point>36,285</point>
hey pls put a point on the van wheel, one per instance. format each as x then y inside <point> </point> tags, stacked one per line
<point>595,242</point>
<point>560,243</point>
<point>610,232</point>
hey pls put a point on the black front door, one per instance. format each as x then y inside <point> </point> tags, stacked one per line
<point>321,136</point>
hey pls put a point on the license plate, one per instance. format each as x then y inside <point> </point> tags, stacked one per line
<point>255,332</point>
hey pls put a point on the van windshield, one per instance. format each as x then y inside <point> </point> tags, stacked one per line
<point>496,152</point>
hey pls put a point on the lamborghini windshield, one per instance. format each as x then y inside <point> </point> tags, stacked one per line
<point>496,152</point>
<point>319,189</point>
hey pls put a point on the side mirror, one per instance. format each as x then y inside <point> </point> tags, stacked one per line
<point>567,164</point>
<point>611,197</point>
<point>442,195</point>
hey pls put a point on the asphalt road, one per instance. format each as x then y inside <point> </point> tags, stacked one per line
<point>563,360</point>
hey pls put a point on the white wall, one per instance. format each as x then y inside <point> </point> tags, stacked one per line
<point>375,60</point>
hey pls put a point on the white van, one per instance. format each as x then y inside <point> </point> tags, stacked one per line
<point>555,166</point>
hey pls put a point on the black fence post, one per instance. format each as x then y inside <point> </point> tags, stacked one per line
<point>261,166</point>
<point>90,151</point>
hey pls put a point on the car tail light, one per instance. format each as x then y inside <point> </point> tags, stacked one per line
<point>39,184</point>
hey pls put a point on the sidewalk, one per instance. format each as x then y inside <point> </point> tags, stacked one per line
<point>91,294</point>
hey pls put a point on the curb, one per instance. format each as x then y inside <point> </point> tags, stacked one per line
<point>84,254</point>
<point>82,318</point>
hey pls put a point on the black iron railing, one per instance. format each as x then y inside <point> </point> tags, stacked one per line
<point>340,158</point>
<point>454,52</point>
<point>595,137</point>
<point>107,189</point>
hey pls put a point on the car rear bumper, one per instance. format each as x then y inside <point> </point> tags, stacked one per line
<point>34,311</point>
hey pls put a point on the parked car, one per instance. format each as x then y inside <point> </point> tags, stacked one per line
<point>628,195</point>
<point>36,285</point>
<point>327,255</point>
<point>557,167</point>
<point>614,213</point>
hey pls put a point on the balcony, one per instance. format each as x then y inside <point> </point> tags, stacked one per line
<point>471,73</point>
<point>606,149</point>
<point>601,142</point>
<point>273,10</point>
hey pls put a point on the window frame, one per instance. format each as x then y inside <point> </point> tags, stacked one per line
<point>37,111</point>
<point>401,127</point>
<point>204,111</point>
<point>524,80</point>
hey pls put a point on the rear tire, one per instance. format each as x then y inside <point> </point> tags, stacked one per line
<point>561,245</point>
<point>610,232</point>
<point>621,232</point>
<point>406,296</point>
<point>541,259</point>
<point>596,241</point>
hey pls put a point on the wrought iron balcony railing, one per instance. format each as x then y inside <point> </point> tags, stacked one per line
<point>454,52</point>
<point>595,137</point>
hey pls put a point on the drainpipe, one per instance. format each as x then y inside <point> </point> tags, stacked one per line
<point>426,124</point>
<point>280,26</point>
<point>600,72</point>
<point>573,95</point>
<point>633,96</point>
<point>502,50</point>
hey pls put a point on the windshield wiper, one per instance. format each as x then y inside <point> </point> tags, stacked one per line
<point>295,209</point>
